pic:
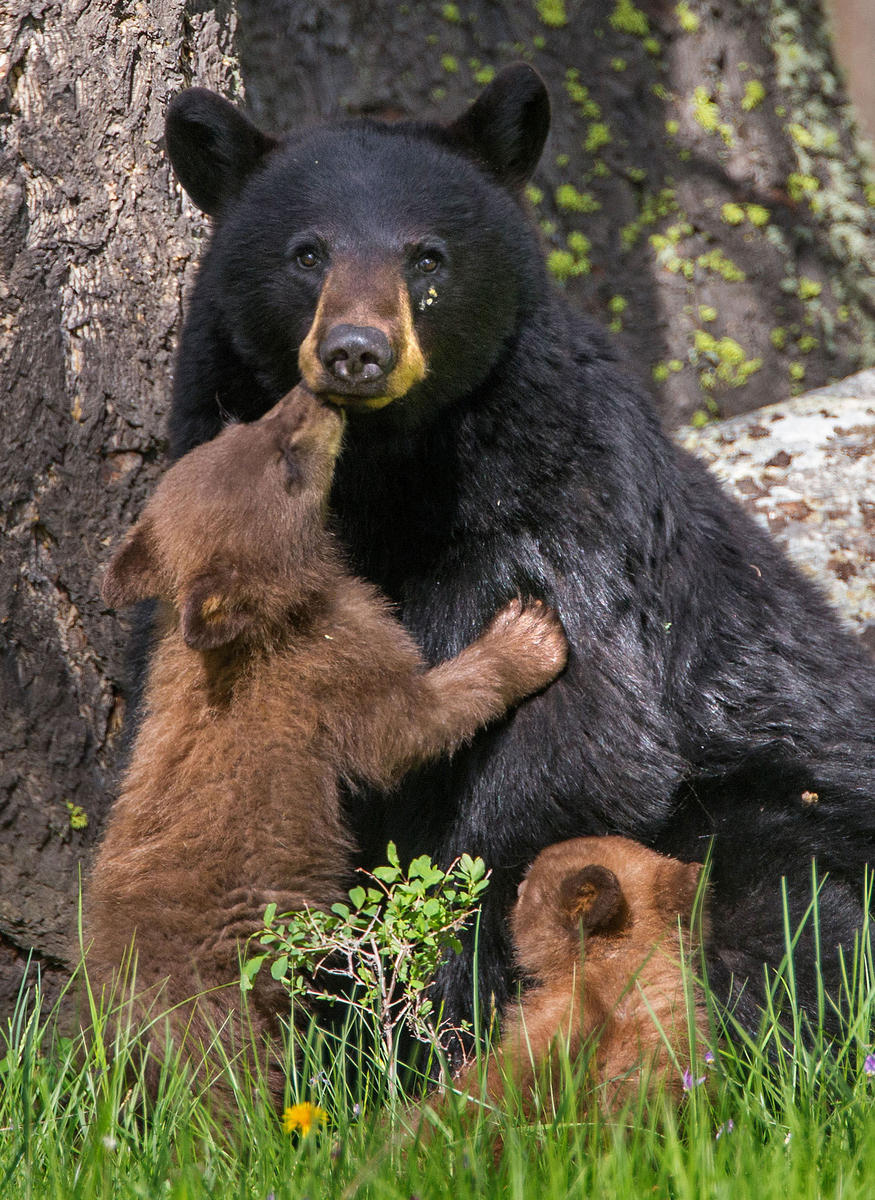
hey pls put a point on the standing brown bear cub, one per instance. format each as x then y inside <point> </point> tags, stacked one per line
<point>597,924</point>
<point>275,675</point>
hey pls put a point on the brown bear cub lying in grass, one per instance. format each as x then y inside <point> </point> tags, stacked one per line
<point>276,674</point>
<point>596,925</point>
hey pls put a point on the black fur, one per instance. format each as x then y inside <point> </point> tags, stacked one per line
<point>709,685</point>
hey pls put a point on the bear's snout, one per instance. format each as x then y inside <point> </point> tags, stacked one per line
<point>357,356</point>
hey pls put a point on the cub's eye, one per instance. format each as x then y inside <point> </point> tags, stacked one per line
<point>428,262</point>
<point>308,257</point>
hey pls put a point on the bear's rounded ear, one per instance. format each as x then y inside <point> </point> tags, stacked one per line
<point>210,612</point>
<point>507,125</point>
<point>591,898</point>
<point>212,146</point>
<point>134,571</point>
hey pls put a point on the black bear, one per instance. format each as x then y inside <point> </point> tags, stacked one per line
<point>495,447</point>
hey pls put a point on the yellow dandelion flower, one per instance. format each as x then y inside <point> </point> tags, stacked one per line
<point>302,1117</point>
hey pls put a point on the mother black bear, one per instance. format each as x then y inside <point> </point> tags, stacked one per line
<point>494,447</point>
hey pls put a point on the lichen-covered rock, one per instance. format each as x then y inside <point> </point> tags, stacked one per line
<point>805,469</point>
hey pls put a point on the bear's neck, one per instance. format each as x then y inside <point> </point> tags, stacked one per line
<point>409,492</point>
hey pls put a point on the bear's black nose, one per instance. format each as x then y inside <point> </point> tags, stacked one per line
<point>356,354</point>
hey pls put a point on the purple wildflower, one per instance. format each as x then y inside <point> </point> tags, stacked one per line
<point>709,1058</point>
<point>726,1127</point>
<point>869,1064</point>
<point>690,1081</point>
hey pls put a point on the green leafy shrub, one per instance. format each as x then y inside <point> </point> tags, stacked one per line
<point>383,947</point>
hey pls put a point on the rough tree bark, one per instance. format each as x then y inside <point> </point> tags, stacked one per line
<point>96,246</point>
<point>702,193</point>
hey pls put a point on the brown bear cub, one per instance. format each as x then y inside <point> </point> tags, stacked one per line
<point>596,926</point>
<point>275,676</point>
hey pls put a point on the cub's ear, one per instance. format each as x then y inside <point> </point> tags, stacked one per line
<point>591,897</point>
<point>507,125</point>
<point>133,573</point>
<point>680,886</point>
<point>211,613</point>
<point>212,146</point>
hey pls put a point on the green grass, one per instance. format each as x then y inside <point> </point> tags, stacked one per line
<point>780,1116</point>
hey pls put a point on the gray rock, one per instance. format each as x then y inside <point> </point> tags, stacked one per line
<point>805,469</point>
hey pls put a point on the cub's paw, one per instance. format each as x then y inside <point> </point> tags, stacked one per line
<point>529,636</point>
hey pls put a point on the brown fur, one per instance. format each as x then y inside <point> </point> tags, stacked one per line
<point>596,925</point>
<point>275,675</point>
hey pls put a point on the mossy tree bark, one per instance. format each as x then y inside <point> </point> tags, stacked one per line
<point>96,247</point>
<point>702,192</point>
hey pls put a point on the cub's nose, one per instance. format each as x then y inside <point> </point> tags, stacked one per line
<point>356,354</point>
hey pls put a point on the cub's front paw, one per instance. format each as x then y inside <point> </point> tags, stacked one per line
<point>531,640</point>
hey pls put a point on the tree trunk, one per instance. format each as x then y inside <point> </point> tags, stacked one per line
<point>702,191</point>
<point>96,247</point>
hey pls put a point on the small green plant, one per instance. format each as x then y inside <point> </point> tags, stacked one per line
<point>383,948</point>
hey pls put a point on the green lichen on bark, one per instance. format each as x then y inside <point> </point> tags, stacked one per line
<point>832,175</point>
<point>552,13</point>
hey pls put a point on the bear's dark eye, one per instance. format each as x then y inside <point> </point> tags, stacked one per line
<point>428,262</point>
<point>308,257</point>
<point>307,250</point>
